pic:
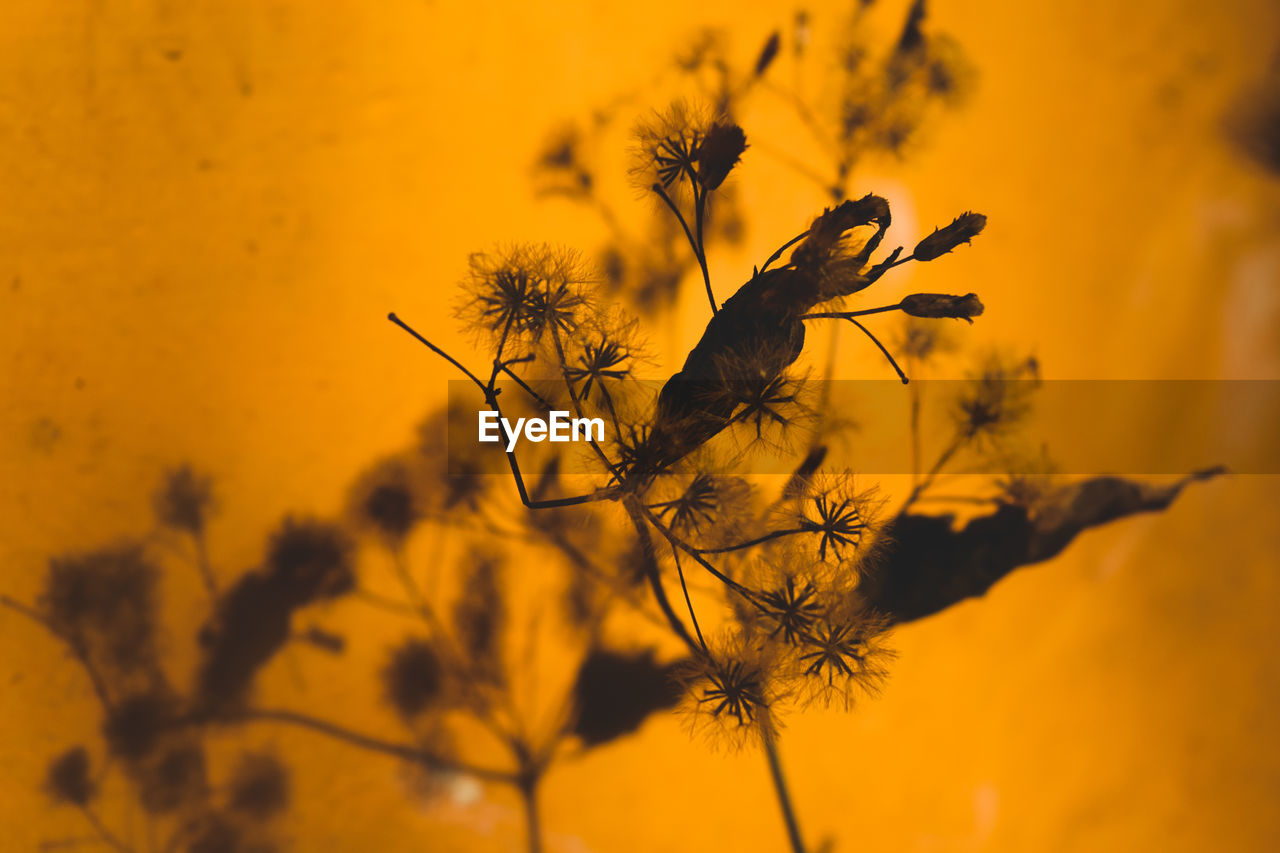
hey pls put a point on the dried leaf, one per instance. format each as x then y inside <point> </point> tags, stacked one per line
<point>616,691</point>
<point>932,565</point>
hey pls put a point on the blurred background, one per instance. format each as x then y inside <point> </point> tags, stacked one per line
<point>210,207</point>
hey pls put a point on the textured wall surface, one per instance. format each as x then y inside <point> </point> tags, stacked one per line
<point>209,207</point>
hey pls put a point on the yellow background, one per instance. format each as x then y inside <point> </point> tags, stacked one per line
<point>209,207</point>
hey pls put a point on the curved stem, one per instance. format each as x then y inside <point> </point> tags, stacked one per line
<point>688,602</point>
<point>693,241</point>
<point>751,543</point>
<point>883,349</point>
<point>653,575</point>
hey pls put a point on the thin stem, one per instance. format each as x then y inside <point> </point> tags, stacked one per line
<point>882,347</point>
<point>491,398</point>
<point>406,752</point>
<point>848,315</point>
<point>203,564</point>
<point>386,603</point>
<point>66,843</point>
<point>829,372</point>
<point>435,349</point>
<point>806,116</point>
<point>693,241</point>
<point>787,245</point>
<point>795,165</point>
<point>688,603</point>
<point>653,575</point>
<point>916,405</point>
<point>613,411</point>
<point>77,648</point>
<point>577,407</point>
<point>538,398</point>
<point>107,836</point>
<point>677,542</point>
<point>784,797</point>
<point>533,823</point>
<point>943,459</point>
<point>591,570</point>
<point>414,592</point>
<point>700,207</point>
<point>759,540</point>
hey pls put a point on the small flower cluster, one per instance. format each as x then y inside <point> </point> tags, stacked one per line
<point>681,144</point>
<point>524,295</point>
<point>801,632</point>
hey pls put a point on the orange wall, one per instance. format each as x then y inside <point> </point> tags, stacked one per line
<point>209,207</point>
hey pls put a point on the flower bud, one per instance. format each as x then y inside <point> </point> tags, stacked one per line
<point>768,53</point>
<point>964,228</point>
<point>69,780</point>
<point>719,152</point>
<point>938,305</point>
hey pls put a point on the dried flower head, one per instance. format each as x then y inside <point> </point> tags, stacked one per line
<point>259,786</point>
<point>67,780</point>
<point>215,833</point>
<point>106,601</point>
<point>942,305</point>
<point>922,341</point>
<point>730,692</point>
<point>414,677</point>
<point>718,152</point>
<point>1028,480</point>
<point>602,357</point>
<point>962,229</point>
<point>561,166</point>
<point>684,146</point>
<point>640,452</point>
<point>666,146</point>
<point>523,293</point>
<point>996,398</point>
<point>844,655</point>
<point>135,725</point>
<point>791,609</point>
<point>184,500</point>
<point>176,776</point>
<point>383,501</point>
<point>312,559</point>
<point>831,258</point>
<point>768,53</point>
<point>838,517</point>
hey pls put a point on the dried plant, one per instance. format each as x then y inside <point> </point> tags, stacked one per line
<point>787,589</point>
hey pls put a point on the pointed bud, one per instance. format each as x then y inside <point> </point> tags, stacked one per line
<point>719,152</point>
<point>938,305</point>
<point>964,228</point>
<point>768,53</point>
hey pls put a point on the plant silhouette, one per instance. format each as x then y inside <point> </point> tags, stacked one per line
<point>678,582</point>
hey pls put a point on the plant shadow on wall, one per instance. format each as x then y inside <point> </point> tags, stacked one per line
<point>777,597</point>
